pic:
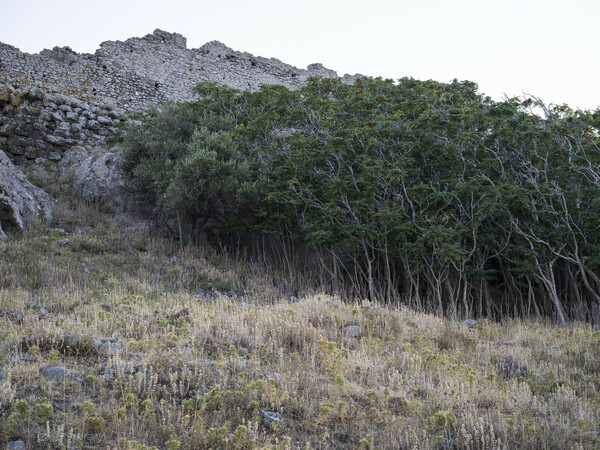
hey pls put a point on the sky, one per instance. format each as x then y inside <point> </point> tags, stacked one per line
<point>546,48</point>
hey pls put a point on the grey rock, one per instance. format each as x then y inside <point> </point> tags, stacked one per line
<point>270,418</point>
<point>318,70</point>
<point>470,323</point>
<point>273,376</point>
<point>352,331</point>
<point>72,116</point>
<point>93,125</point>
<point>55,140</point>
<point>61,406</point>
<point>22,357</point>
<point>20,201</point>
<point>54,156</point>
<point>15,445</point>
<point>16,150</point>
<point>56,373</point>
<point>95,343</point>
<point>36,94</point>
<point>3,375</point>
<point>74,153</point>
<point>57,116</point>
<point>98,178</point>
<point>63,242</point>
<point>104,120</point>
<point>116,369</point>
<point>15,316</point>
<point>510,367</point>
<point>72,341</point>
<point>110,348</point>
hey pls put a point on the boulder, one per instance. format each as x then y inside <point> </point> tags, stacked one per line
<point>352,331</point>
<point>470,323</point>
<point>97,178</point>
<point>56,373</point>
<point>20,201</point>
<point>271,418</point>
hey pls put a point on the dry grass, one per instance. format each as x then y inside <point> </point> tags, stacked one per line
<point>408,381</point>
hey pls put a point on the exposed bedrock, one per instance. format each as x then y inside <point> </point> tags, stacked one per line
<point>20,201</point>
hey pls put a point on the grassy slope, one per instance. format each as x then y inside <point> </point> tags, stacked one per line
<point>409,380</point>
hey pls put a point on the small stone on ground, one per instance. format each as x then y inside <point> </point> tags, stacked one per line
<point>56,373</point>
<point>352,330</point>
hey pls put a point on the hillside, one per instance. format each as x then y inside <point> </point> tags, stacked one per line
<point>316,193</point>
<point>152,346</point>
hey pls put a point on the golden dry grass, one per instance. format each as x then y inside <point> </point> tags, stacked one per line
<point>202,357</point>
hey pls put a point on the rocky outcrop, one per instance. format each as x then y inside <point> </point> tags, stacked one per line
<point>20,200</point>
<point>97,178</point>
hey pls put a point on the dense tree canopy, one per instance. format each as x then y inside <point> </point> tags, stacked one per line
<point>414,191</point>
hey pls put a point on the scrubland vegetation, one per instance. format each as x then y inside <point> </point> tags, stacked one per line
<point>415,192</point>
<point>323,249</point>
<point>210,351</point>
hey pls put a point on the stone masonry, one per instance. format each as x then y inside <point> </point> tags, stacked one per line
<point>58,99</point>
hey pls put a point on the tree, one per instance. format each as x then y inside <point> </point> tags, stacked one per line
<point>415,191</point>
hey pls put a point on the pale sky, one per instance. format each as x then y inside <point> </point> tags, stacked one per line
<point>548,48</point>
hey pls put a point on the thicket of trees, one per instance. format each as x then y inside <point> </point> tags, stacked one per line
<point>412,191</point>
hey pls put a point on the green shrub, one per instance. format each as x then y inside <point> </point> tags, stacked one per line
<point>416,190</point>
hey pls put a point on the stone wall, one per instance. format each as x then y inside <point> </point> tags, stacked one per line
<point>58,98</point>
<point>38,124</point>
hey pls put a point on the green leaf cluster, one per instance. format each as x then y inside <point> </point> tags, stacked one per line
<point>420,191</point>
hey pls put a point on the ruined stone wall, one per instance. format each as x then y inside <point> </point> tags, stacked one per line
<point>38,124</point>
<point>58,98</point>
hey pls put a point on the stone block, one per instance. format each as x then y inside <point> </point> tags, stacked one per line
<point>7,129</point>
<point>41,146</point>
<point>72,116</point>
<point>31,152</point>
<point>55,140</point>
<point>39,126</point>
<point>104,120</point>
<point>16,150</point>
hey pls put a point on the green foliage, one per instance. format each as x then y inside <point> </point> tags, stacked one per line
<point>414,190</point>
<point>187,165</point>
<point>44,409</point>
<point>21,406</point>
